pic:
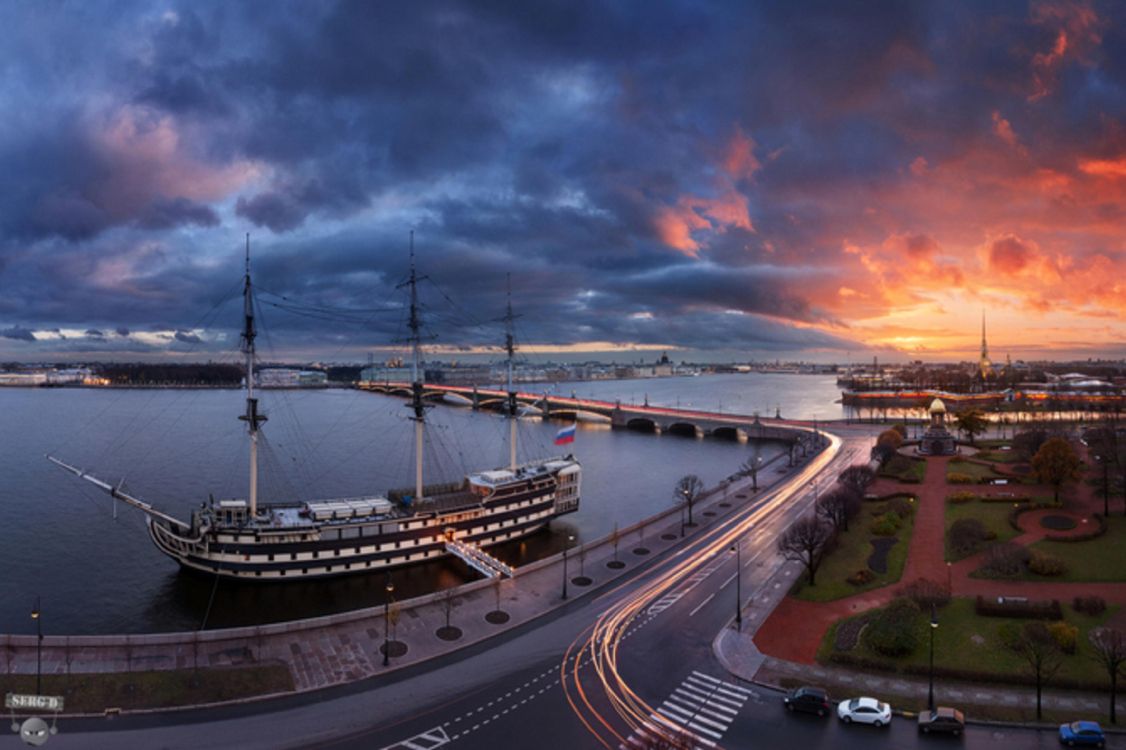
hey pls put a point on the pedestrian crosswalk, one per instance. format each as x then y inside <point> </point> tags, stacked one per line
<point>428,740</point>
<point>700,710</point>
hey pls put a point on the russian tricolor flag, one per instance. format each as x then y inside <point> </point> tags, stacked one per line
<point>566,435</point>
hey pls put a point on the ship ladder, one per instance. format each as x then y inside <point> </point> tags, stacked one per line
<point>478,559</point>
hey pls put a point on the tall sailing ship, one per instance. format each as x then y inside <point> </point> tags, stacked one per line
<point>248,540</point>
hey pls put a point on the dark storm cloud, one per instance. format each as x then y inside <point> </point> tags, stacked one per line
<point>17,334</point>
<point>583,147</point>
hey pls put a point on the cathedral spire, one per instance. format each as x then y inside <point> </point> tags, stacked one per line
<point>984,347</point>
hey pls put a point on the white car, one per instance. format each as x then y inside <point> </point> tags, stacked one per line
<point>864,711</point>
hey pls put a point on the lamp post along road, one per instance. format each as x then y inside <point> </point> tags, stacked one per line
<point>930,686</point>
<point>35,615</point>
<point>737,548</point>
<point>389,588</point>
<point>566,544</point>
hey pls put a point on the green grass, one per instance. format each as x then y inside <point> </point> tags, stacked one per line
<point>852,552</point>
<point>1001,457</point>
<point>904,469</point>
<point>979,472</point>
<point>1098,560</point>
<point>965,641</point>
<point>95,692</point>
<point>995,516</point>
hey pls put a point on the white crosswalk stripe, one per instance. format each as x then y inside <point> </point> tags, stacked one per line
<point>702,707</point>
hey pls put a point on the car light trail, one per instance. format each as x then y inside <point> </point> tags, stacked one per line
<point>598,645</point>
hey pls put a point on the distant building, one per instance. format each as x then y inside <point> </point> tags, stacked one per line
<point>279,377</point>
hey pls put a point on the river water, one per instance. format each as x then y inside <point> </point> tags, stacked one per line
<point>100,574</point>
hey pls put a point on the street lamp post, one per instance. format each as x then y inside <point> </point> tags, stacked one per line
<point>389,588</point>
<point>38,647</point>
<point>930,687</point>
<point>737,548</point>
<point>566,544</point>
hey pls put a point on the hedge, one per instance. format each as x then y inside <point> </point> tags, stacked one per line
<point>1042,610</point>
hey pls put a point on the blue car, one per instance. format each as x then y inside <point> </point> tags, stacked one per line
<point>1082,734</point>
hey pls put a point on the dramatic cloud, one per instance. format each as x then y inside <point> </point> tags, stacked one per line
<point>808,179</point>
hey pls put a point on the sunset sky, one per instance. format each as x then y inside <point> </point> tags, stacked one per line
<point>739,180</point>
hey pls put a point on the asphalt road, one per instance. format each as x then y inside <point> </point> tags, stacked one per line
<point>510,694</point>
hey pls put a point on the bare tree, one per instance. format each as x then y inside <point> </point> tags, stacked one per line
<point>838,507</point>
<point>805,542</point>
<point>1042,655</point>
<point>688,490</point>
<point>448,603</point>
<point>857,478</point>
<point>1110,652</point>
<point>751,467</point>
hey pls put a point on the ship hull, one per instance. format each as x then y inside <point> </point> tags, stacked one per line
<point>361,546</point>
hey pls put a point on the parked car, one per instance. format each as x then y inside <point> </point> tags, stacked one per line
<point>808,699</point>
<point>942,719</point>
<point>864,710</point>
<point>1082,734</point>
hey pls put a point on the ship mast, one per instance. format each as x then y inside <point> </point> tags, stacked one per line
<point>252,417</point>
<point>416,404</point>
<point>510,347</point>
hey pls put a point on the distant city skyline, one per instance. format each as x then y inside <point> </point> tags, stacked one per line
<point>724,182</point>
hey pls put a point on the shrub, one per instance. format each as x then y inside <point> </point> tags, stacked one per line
<point>885,525</point>
<point>861,577</point>
<point>926,593</point>
<point>893,630</point>
<point>1046,565</point>
<point>901,507</point>
<point>956,477</point>
<point>890,438</point>
<point>1065,636</point>
<point>1005,498</point>
<point>966,535</point>
<point>1005,559</point>
<point>1089,605</point>
<point>961,496</point>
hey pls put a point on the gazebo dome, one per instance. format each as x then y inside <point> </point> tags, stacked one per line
<point>937,407</point>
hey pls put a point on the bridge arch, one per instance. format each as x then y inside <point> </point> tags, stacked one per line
<point>728,433</point>
<point>686,429</point>
<point>642,424</point>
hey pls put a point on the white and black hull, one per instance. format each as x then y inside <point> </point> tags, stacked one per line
<point>336,548</point>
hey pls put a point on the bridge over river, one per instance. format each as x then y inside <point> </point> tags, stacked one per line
<point>799,435</point>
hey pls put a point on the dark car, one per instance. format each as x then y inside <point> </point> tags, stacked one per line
<point>942,719</point>
<point>808,699</point>
<point>1082,734</point>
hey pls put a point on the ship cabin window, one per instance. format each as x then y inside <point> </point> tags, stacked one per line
<point>357,550</point>
<point>271,558</point>
<point>397,545</point>
<point>328,569</point>
<point>304,571</point>
<point>316,554</point>
<point>336,553</point>
<point>351,533</point>
<point>258,574</point>
<point>292,555</point>
<point>347,566</point>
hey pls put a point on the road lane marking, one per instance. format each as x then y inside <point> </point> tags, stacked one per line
<point>702,604</point>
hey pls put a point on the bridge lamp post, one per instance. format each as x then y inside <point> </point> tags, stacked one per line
<point>389,588</point>
<point>38,647</point>
<point>737,548</point>
<point>566,545</point>
<point>930,686</point>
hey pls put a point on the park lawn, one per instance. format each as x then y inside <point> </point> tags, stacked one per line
<point>904,469</point>
<point>1001,457</point>
<point>95,692</point>
<point>854,547</point>
<point>979,472</point>
<point>965,641</point>
<point>1098,560</point>
<point>995,516</point>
